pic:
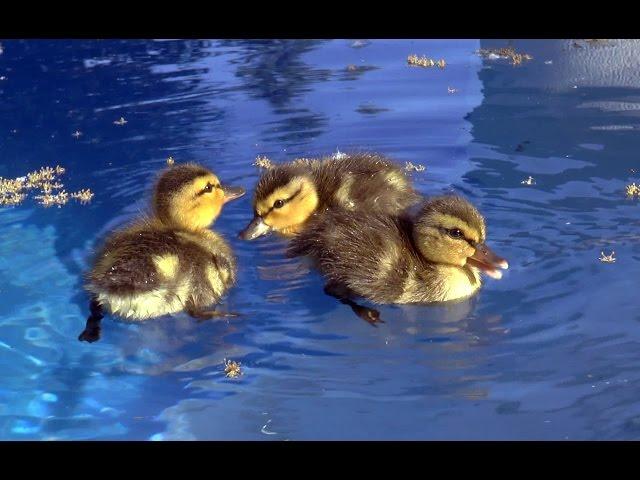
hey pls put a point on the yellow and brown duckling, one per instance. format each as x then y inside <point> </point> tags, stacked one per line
<point>435,257</point>
<point>289,195</point>
<point>169,262</point>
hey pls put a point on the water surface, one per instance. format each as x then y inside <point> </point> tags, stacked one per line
<point>549,352</point>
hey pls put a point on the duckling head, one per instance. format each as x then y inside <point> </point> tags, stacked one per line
<point>284,199</point>
<point>191,197</point>
<point>449,230</point>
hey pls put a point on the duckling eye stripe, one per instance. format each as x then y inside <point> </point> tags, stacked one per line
<point>285,202</point>
<point>204,190</point>
<point>470,242</point>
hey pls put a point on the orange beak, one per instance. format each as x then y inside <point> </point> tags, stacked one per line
<point>487,261</point>
<point>231,193</point>
<point>255,229</point>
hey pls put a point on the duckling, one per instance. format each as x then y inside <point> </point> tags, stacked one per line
<point>288,196</point>
<point>168,262</point>
<point>435,257</point>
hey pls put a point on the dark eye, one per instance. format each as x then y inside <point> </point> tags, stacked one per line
<point>278,204</point>
<point>208,188</point>
<point>455,233</point>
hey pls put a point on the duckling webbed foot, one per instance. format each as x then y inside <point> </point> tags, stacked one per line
<point>202,315</point>
<point>369,315</point>
<point>91,332</point>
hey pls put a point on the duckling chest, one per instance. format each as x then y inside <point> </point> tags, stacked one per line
<point>443,283</point>
<point>459,282</point>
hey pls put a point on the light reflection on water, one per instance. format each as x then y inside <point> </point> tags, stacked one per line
<point>549,352</point>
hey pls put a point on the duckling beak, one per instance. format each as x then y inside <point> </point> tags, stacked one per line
<point>231,193</point>
<point>255,229</point>
<point>487,261</point>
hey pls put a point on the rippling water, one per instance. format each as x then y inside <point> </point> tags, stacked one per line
<point>549,352</point>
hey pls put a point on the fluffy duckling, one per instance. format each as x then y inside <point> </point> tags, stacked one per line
<point>289,195</point>
<point>170,262</point>
<point>437,257</point>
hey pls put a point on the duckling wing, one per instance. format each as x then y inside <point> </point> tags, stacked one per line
<point>132,262</point>
<point>371,255</point>
<point>366,181</point>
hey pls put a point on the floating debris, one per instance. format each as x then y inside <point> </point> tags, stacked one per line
<point>528,181</point>
<point>77,134</point>
<point>508,53</point>
<point>410,167</point>
<point>263,162</point>
<point>452,90</point>
<point>85,195</point>
<point>548,62</point>
<point>351,68</point>
<point>633,190</point>
<point>607,258</point>
<point>170,161</point>
<point>9,196</point>
<point>2,77</point>
<point>43,177</point>
<point>423,61</point>
<point>14,191</point>
<point>232,369</point>
<point>51,199</point>
<point>120,121</point>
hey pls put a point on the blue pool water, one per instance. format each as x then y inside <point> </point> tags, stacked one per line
<point>551,351</point>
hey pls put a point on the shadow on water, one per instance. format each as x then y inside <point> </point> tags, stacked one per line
<point>274,71</point>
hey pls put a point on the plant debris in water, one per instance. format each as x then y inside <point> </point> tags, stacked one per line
<point>452,90</point>
<point>232,369</point>
<point>120,121</point>
<point>416,61</point>
<point>607,258</point>
<point>633,190</point>
<point>84,196</point>
<point>508,53</point>
<point>410,167</point>
<point>13,191</point>
<point>263,162</point>
<point>528,181</point>
<point>76,134</point>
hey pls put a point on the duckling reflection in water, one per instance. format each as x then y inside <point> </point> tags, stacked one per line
<point>290,195</point>
<point>170,262</point>
<point>436,257</point>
